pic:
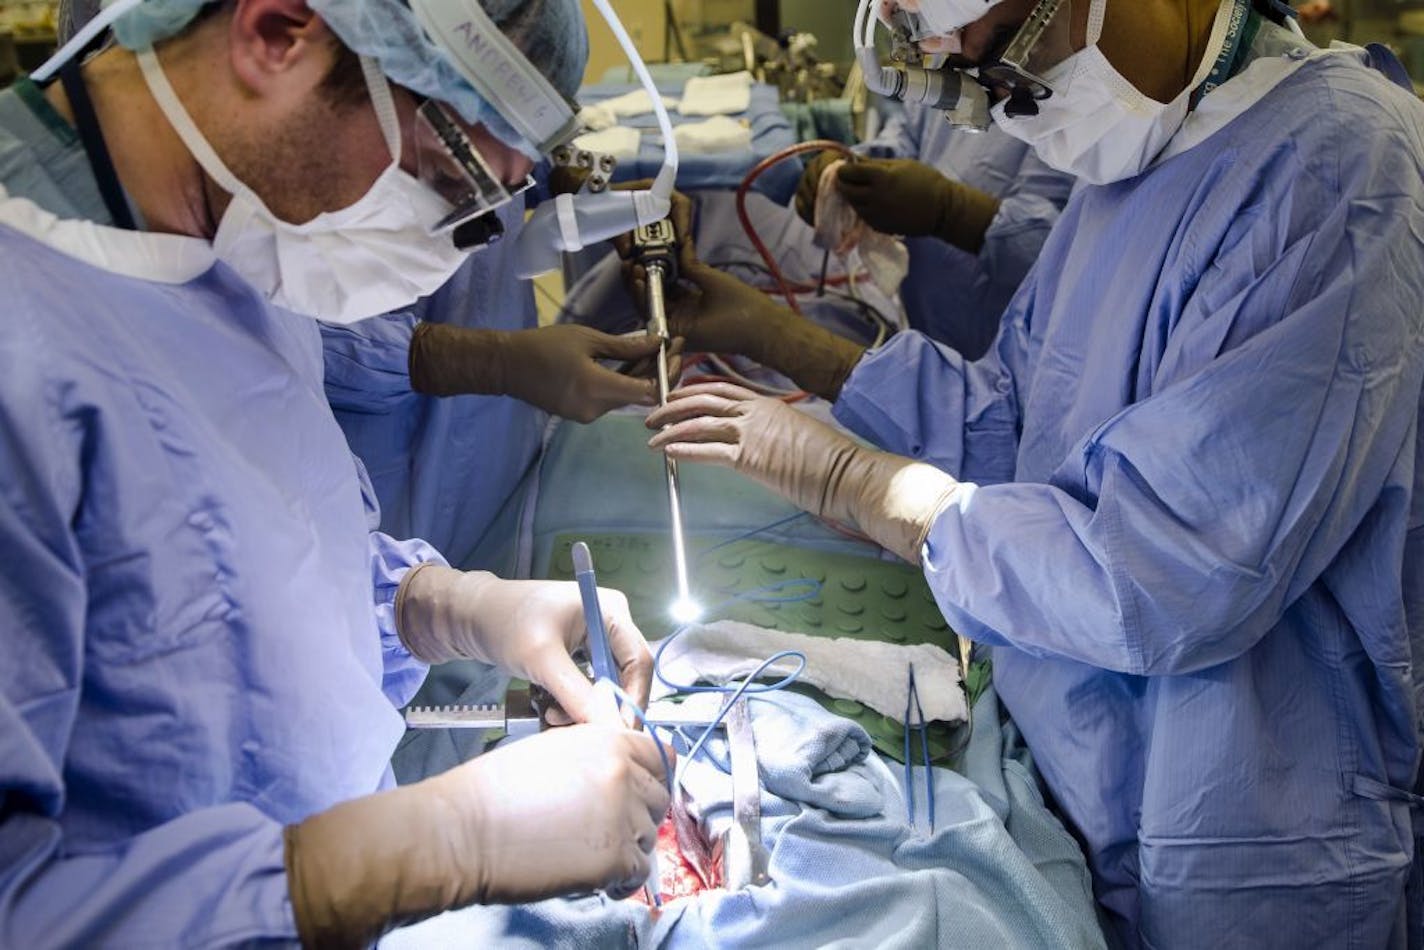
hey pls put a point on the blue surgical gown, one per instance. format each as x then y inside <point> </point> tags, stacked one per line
<point>443,468</point>
<point>195,613</point>
<point>953,296</point>
<point>1195,545</point>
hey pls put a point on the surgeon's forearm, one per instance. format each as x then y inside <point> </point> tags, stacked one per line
<point>374,863</point>
<point>434,614</point>
<point>892,499</point>
<point>965,216</point>
<point>194,880</point>
<point>453,361</point>
<point>812,357</point>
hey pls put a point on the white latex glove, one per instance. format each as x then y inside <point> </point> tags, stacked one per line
<point>567,811</point>
<point>526,628</point>
<point>893,500</point>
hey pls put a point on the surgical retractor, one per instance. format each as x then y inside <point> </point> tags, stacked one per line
<point>656,249</point>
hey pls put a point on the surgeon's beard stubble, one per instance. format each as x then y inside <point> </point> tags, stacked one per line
<point>324,158</point>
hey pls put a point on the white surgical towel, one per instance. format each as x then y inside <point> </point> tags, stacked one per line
<point>596,118</point>
<point>620,141</point>
<point>840,230</point>
<point>867,671</point>
<point>602,115</point>
<point>717,95</point>
<point>717,134</point>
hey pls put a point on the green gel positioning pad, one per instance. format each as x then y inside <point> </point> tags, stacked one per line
<point>857,597</point>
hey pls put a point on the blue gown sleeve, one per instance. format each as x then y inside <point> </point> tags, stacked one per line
<point>923,400</point>
<point>391,560</point>
<point>366,364</point>
<point>213,877</point>
<point>1207,508</point>
<point>366,370</point>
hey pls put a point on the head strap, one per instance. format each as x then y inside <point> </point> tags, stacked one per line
<point>499,72</point>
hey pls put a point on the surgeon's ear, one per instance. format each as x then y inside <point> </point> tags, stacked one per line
<point>272,42</point>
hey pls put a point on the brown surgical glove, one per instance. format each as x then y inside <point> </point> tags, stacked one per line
<point>715,312</point>
<point>811,183</point>
<point>556,368</point>
<point>903,196</point>
<point>567,811</point>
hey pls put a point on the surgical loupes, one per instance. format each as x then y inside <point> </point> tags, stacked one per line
<point>655,247</point>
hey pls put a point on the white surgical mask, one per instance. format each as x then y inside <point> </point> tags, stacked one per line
<point>369,258</point>
<point>1097,125</point>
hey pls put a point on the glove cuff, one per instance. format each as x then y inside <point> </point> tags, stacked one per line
<point>453,361</point>
<point>368,865</point>
<point>433,615</point>
<point>899,500</point>
<point>965,216</point>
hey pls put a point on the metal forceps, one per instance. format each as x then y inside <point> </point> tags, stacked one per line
<point>917,724</point>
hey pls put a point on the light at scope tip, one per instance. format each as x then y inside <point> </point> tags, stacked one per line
<point>685,610</point>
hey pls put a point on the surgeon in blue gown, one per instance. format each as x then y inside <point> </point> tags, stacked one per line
<point>974,209</point>
<point>206,639</point>
<point>442,468</point>
<point>423,394</point>
<point>1181,501</point>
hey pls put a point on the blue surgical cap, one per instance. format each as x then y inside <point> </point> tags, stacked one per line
<point>550,33</point>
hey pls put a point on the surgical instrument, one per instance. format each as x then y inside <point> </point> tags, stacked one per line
<point>573,222</point>
<point>747,860</point>
<point>915,722</point>
<point>604,670</point>
<point>655,247</point>
<point>600,656</point>
<point>516,717</point>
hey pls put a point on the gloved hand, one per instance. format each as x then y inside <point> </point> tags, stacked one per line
<point>567,179</point>
<point>680,214</point>
<point>893,500</point>
<point>526,628</point>
<point>810,184</point>
<point>903,196</point>
<point>569,810</point>
<point>716,313</point>
<point>555,368</point>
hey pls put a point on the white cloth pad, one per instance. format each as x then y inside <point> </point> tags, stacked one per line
<point>728,94</point>
<point>867,671</point>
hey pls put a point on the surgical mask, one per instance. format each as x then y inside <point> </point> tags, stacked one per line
<point>376,255</point>
<point>1097,125</point>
